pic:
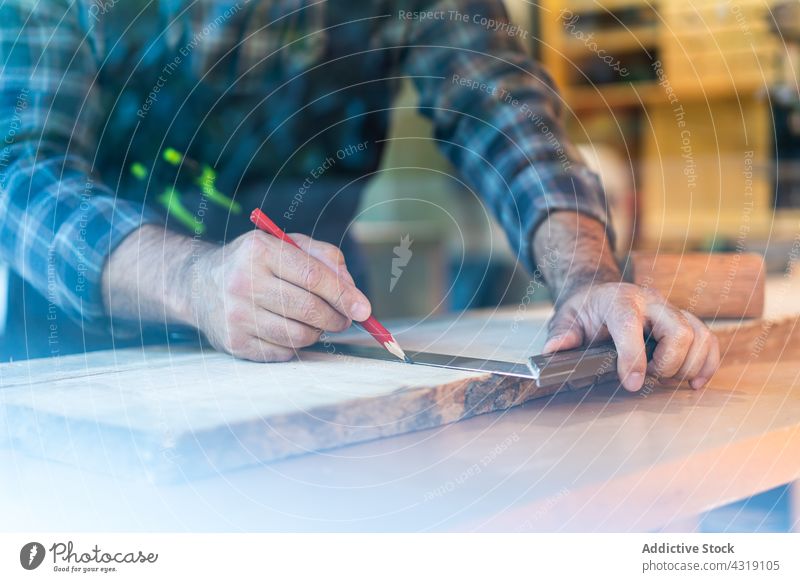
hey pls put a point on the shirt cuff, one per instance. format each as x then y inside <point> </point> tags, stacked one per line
<point>578,190</point>
<point>84,243</point>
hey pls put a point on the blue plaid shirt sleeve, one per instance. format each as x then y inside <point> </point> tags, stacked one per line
<point>58,222</point>
<point>496,116</point>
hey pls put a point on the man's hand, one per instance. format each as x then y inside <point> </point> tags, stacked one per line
<point>263,298</point>
<point>686,349</point>
<point>257,297</point>
<point>592,303</point>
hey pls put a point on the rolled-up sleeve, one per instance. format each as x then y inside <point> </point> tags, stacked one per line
<point>496,114</point>
<point>58,221</point>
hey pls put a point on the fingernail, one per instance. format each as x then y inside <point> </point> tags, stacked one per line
<point>697,383</point>
<point>360,310</point>
<point>634,381</point>
<point>551,342</point>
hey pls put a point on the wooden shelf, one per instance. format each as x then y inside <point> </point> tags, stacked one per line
<point>714,105</point>
<point>605,5</point>
<point>616,41</point>
<point>610,96</point>
<point>649,93</point>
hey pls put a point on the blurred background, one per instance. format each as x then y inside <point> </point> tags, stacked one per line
<point>688,110</point>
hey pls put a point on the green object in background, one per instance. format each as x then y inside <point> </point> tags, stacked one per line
<point>206,181</point>
<point>172,156</point>
<point>171,200</point>
<point>139,171</point>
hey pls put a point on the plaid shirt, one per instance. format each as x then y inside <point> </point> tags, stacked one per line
<point>264,93</point>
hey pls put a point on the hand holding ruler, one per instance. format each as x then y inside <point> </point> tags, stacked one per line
<point>715,285</point>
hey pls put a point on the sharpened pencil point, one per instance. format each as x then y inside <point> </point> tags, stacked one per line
<point>395,349</point>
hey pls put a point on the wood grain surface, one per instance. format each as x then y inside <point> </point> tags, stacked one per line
<point>710,285</point>
<point>165,413</point>
<point>589,460</point>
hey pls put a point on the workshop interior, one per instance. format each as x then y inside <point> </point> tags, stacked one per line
<point>464,402</point>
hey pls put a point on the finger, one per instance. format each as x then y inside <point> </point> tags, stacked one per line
<point>290,301</point>
<point>709,367</point>
<point>284,332</point>
<point>301,269</point>
<point>564,332</point>
<point>627,331</point>
<point>248,347</point>
<point>698,352</point>
<point>674,335</point>
<point>259,350</point>
<point>327,253</point>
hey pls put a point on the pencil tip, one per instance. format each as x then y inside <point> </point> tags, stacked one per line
<point>395,349</point>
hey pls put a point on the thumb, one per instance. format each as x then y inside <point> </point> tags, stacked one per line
<point>565,333</point>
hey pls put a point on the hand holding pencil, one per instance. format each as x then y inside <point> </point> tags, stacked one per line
<point>370,324</point>
<point>261,297</point>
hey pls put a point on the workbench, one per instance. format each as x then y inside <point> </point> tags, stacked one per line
<point>587,460</point>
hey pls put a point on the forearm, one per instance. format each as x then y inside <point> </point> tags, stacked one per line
<point>572,251</point>
<point>153,275</point>
<point>58,220</point>
<point>507,141</point>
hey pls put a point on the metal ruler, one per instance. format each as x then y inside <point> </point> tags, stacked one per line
<point>578,366</point>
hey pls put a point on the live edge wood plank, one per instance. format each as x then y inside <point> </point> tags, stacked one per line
<point>169,414</point>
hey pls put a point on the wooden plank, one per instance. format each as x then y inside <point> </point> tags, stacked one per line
<point>596,460</point>
<point>720,285</point>
<point>167,413</point>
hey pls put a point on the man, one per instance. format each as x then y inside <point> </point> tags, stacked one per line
<point>99,97</point>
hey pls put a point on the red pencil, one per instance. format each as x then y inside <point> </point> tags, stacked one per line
<point>370,325</point>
